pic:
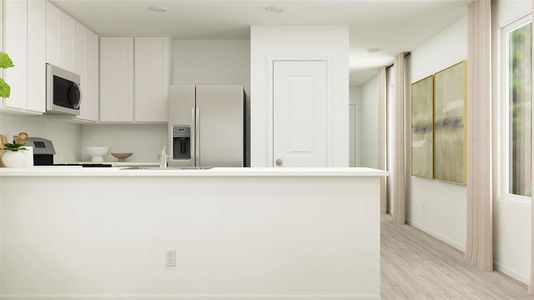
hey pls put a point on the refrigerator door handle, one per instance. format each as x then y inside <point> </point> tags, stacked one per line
<point>197,137</point>
<point>193,137</point>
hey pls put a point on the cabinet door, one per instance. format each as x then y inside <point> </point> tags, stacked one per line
<point>81,67</point>
<point>92,87</point>
<point>36,55</point>
<point>16,45</point>
<point>68,43</point>
<point>53,34</point>
<point>116,79</point>
<point>151,78</point>
<point>300,103</point>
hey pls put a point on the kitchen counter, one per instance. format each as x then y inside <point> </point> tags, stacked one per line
<point>170,172</point>
<point>239,233</point>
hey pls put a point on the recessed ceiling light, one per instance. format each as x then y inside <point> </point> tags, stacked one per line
<point>274,9</point>
<point>157,9</point>
<point>373,50</point>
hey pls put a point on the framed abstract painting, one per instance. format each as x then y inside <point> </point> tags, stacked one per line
<point>422,101</point>
<point>450,153</point>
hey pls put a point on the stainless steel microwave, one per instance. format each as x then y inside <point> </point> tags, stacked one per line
<point>62,91</point>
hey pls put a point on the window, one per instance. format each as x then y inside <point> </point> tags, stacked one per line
<point>517,90</point>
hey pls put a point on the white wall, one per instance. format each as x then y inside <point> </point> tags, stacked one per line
<point>368,113</point>
<point>145,141</point>
<point>212,62</point>
<point>269,43</point>
<point>512,220</point>
<point>436,207</point>
<point>67,137</point>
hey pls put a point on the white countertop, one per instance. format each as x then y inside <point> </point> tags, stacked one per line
<point>215,172</point>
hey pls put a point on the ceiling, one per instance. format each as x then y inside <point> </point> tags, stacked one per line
<point>392,26</point>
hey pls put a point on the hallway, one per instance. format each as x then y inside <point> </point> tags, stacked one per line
<point>415,265</point>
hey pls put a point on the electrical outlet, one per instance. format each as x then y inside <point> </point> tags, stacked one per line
<point>171,258</point>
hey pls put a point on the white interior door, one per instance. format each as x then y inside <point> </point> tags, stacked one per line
<point>300,124</point>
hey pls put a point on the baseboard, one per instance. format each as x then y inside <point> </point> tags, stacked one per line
<point>190,297</point>
<point>437,235</point>
<point>501,268</point>
<point>511,273</point>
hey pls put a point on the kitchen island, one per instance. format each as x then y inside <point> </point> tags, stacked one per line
<point>291,233</point>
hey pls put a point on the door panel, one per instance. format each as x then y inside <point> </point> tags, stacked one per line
<point>16,44</point>
<point>116,79</point>
<point>37,55</point>
<point>68,43</point>
<point>220,119</point>
<point>81,68</point>
<point>300,114</point>
<point>92,89</point>
<point>151,78</point>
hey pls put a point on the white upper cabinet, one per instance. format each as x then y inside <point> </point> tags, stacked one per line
<point>151,78</point>
<point>91,106</point>
<point>36,55</point>
<point>60,38</point>
<point>133,83</point>
<point>116,79</point>
<point>35,33</point>
<point>25,42</point>
<point>16,45</point>
<point>53,35</point>
<point>68,43</point>
<point>81,66</point>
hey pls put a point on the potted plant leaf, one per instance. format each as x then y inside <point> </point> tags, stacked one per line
<point>14,156</point>
<point>5,62</point>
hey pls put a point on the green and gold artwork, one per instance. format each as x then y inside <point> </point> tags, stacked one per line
<point>450,91</point>
<point>422,127</point>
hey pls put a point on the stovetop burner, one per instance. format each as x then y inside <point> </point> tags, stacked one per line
<point>84,165</point>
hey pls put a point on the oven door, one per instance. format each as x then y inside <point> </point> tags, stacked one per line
<point>63,91</point>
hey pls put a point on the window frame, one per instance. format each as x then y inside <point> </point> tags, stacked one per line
<point>506,32</point>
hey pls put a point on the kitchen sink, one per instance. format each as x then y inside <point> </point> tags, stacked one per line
<point>168,168</point>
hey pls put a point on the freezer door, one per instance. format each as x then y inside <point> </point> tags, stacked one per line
<point>220,126</point>
<point>181,133</point>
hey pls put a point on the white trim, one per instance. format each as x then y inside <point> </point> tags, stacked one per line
<point>503,112</point>
<point>436,235</point>
<point>511,273</point>
<point>196,297</point>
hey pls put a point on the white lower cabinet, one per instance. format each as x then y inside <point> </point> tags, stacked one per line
<point>133,83</point>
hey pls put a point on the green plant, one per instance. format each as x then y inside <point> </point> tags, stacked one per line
<point>14,146</point>
<point>5,62</point>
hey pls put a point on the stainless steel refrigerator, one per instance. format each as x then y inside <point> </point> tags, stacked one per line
<point>206,126</point>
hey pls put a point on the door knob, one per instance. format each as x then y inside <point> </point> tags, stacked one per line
<point>279,162</point>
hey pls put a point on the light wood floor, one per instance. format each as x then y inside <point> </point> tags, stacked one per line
<point>417,266</point>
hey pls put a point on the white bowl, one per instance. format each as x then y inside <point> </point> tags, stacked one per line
<point>97,153</point>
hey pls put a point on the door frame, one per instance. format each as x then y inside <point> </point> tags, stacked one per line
<point>270,60</point>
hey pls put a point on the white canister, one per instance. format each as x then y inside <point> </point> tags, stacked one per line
<point>14,159</point>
